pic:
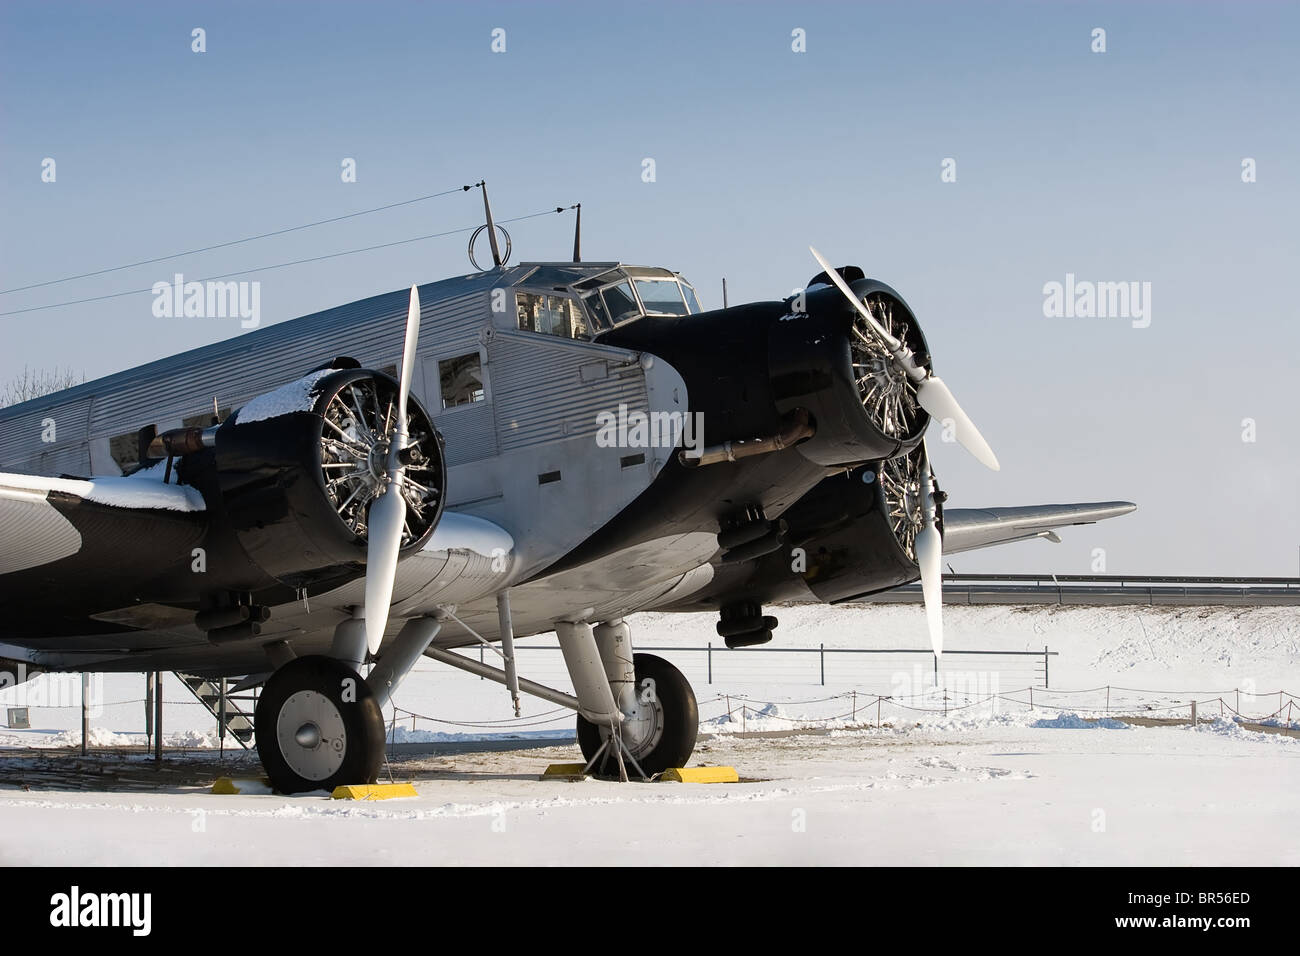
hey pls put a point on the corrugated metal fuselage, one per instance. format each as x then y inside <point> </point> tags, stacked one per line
<point>524,457</point>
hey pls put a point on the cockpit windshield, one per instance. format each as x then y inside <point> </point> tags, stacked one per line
<point>661,296</point>
<point>594,304</point>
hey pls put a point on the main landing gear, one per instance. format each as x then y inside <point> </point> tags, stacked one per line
<point>319,724</point>
<point>636,713</point>
<point>657,731</point>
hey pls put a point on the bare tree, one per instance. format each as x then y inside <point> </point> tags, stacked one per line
<point>33,383</point>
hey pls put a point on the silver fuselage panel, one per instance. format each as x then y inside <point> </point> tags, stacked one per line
<point>522,454</point>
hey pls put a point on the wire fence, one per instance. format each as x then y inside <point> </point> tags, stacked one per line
<point>914,694</point>
<point>856,708</point>
<point>879,668</point>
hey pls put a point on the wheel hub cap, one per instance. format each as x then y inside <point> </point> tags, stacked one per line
<point>311,735</point>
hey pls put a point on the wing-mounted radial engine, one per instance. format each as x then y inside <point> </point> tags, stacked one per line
<point>289,481</point>
<point>852,535</point>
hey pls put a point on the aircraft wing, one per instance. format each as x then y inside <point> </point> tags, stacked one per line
<point>66,535</point>
<point>965,529</point>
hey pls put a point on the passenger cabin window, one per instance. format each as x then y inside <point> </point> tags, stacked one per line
<point>461,380</point>
<point>661,296</point>
<point>125,450</point>
<point>551,315</point>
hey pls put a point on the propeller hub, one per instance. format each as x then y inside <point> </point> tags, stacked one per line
<point>377,462</point>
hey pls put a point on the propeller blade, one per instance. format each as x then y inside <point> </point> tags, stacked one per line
<point>929,557</point>
<point>890,342</point>
<point>931,391</point>
<point>388,510</point>
<point>408,363</point>
<point>387,515</point>
<point>937,399</point>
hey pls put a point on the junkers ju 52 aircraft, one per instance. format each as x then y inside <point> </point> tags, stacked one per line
<point>545,446</point>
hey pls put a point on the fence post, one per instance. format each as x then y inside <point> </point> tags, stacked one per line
<point>822,655</point>
<point>157,716</point>
<point>710,662</point>
<point>1193,713</point>
<point>855,707</point>
<point>85,713</point>
<point>877,711</point>
<point>1046,682</point>
<point>148,708</point>
<point>1031,698</point>
<point>221,719</point>
<point>1108,698</point>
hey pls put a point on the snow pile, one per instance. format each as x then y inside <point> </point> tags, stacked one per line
<point>98,737</point>
<point>1067,721</point>
<point>102,738</point>
<point>192,740</point>
<point>1231,728</point>
<point>405,735</point>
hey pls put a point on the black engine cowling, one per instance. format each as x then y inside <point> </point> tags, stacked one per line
<point>289,477</point>
<point>827,360</point>
<point>852,535</point>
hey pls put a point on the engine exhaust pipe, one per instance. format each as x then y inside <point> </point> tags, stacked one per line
<point>181,441</point>
<point>796,427</point>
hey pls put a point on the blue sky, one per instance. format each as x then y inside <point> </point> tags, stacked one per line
<point>1115,166</point>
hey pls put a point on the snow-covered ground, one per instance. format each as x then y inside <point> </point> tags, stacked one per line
<point>967,772</point>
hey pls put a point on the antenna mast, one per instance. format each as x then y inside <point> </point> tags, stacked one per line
<point>491,226</point>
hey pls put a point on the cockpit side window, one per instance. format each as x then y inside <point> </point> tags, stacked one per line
<point>551,315</point>
<point>620,303</point>
<point>596,309</point>
<point>692,302</point>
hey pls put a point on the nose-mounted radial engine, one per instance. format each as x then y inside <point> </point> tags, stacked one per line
<point>934,396</point>
<point>850,389</point>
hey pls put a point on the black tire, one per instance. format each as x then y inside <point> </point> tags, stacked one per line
<point>680,721</point>
<point>354,735</point>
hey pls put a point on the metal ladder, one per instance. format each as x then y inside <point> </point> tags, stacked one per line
<point>238,722</point>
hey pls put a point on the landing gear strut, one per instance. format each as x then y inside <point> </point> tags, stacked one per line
<point>658,728</point>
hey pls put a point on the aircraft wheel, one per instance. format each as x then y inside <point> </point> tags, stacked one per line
<point>318,726</point>
<point>661,730</point>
